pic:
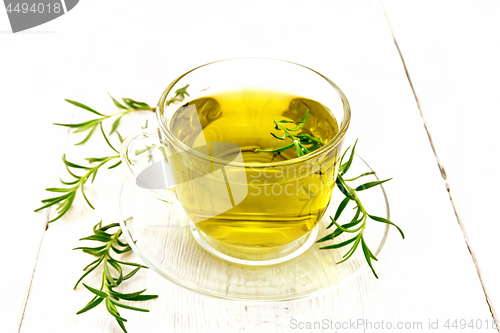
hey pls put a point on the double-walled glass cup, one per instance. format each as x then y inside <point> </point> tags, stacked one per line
<point>254,212</point>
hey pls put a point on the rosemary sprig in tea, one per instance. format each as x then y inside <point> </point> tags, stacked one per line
<point>299,141</point>
<point>358,224</point>
<point>106,293</point>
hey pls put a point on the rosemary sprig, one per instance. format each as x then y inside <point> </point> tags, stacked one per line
<point>299,141</point>
<point>91,125</point>
<point>106,293</point>
<point>179,95</point>
<point>358,224</point>
<point>65,200</point>
<point>129,105</point>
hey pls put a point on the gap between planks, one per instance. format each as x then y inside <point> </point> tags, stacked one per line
<point>34,267</point>
<point>442,170</point>
<point>47,218</point>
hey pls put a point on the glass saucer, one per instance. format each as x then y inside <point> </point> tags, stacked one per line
<point>160,234</point>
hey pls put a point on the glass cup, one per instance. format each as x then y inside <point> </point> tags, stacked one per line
<point>248,212</point>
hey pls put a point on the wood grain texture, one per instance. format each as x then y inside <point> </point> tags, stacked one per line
<point>139,49</point>
<point>451,50</point>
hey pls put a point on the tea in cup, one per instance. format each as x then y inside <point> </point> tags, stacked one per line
<point>246,204</point>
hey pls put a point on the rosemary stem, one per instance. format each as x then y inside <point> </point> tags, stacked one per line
<point>95,168</point>
<point>152,109</point>
<point>358,203</point>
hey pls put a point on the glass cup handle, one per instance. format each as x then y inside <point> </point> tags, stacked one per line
<point>146,164</point>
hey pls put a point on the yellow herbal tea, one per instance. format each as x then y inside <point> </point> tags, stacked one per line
<point>283,201</point>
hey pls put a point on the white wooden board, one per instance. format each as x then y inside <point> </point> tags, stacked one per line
<point>34,73</point>
<point>452,51</point>
<point>138,49</point>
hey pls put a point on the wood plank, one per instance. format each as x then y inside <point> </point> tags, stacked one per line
<point>422,277</point>
<point>452,60</point>
<point>32,89</point>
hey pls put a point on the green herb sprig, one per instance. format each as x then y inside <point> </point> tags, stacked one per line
<point>299,141</point>
<point>129,105</point>
<point>65,200</point>
<point>106,293</point>
<point>304,144</point>
<point>358,223</point>
<point>179,95</point>
<point>91,125</point>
